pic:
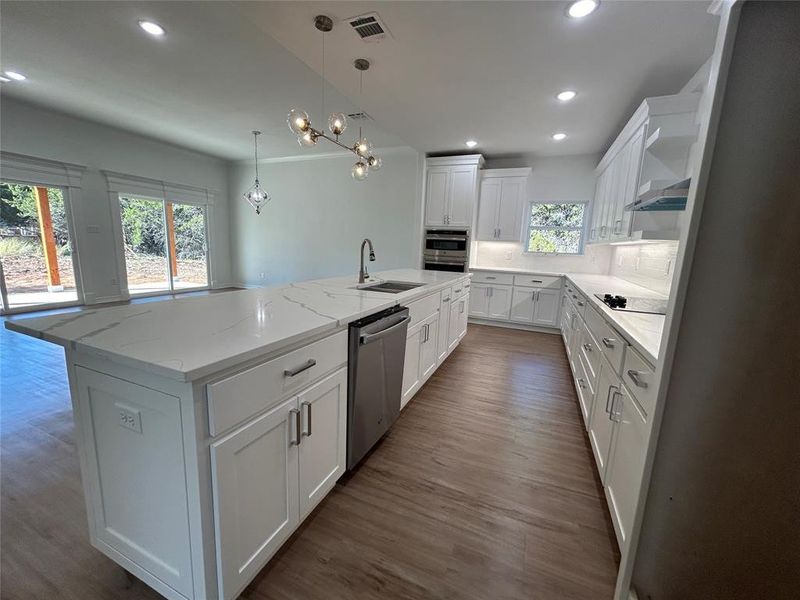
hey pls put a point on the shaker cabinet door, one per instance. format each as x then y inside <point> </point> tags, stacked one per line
<point>436,190</point>
<point>323,445</point>
<point>255,484</point>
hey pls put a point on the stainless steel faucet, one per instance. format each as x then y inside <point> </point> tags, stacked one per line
<point>362,273</point>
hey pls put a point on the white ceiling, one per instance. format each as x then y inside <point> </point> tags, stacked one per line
<point>451,70</point>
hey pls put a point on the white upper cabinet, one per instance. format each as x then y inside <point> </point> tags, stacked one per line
<point>502,204</point>
<point>651,152</point>
<point>451,190</point>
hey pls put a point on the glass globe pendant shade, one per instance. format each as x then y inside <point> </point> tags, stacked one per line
<point>337,123</point>
<point>257,197</point>
<point>298,121</point>
<point>363,147</point>
<point>375,163</point>
<point>360,171</point>
<point>307,139</point>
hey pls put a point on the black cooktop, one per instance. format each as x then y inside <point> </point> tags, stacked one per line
<point>654,306</point>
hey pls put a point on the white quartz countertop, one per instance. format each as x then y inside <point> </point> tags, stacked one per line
<point>643,331</point>
<point>188,338</point>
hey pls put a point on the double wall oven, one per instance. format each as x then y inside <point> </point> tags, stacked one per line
<point>446,250</point>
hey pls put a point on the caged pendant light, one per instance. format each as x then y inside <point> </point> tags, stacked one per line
<point>299,121</point>
<point>256,196</point>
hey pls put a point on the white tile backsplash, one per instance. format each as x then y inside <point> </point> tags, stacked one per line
<point>648,265</point>
<point>596,259</point>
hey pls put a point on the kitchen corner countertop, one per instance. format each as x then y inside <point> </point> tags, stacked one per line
<point>643,331</point>
<point>188,338</point>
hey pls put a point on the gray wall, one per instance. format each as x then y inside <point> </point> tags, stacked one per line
<point>318,216</point>
<point>35,131</point>
<point>722,518</point>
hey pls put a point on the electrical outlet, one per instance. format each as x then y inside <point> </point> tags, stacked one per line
<point>92,229</point>
<point>508,255</point>
<point>129,418</point>
<point>114,281</point>
<point>262,275</point>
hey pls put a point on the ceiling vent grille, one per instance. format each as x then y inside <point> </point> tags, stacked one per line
<point>359,116</point>
<point>369,27</point>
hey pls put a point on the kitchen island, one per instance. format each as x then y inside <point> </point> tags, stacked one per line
<point>193,416</point>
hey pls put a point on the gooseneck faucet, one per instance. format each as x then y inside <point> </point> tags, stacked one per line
<point>362,273</point>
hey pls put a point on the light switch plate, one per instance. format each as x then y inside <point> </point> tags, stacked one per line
<point>129,418</point>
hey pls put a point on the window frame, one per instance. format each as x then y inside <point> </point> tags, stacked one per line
<point>529,228</point>
<point>121,185</point>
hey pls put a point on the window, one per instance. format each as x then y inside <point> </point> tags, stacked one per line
<point>556,228</point>
<point>35,247</point>
<point>165,245</point>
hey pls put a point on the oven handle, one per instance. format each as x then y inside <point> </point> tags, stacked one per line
<point>439,262</point>
<point>448,238</point>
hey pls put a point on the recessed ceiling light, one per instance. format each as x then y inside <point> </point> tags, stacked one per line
<point>15,76</point>
<point>471,143</point>
<point>566,95</point>
<point>152,28</point>
<point>581,8</point>
<point>559,136</point>
<point>4,79</point>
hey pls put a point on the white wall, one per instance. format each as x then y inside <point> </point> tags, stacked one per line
<point>553,179</point>
<point>318,216</point>
<point>35,131</point>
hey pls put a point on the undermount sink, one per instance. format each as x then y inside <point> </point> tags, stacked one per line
<point>391,287</point>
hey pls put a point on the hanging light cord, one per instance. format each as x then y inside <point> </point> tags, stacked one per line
<point>360,99</point>
<point>255,145</point>
<point>322,115</point>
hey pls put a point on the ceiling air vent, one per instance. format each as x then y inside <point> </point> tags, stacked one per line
<point>359,116</point>
<point>369,27</point>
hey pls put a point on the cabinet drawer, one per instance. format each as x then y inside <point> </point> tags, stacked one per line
<point>240,396</point>
<point>579,301</point>
<point>538,281</point>
<point>492,277</point>
<point>421,309</point>
<point>638,375</point>
<point>590,353</point>
<point>460,288</point>
<point>612,345</point>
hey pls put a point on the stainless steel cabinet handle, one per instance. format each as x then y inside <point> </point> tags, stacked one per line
<point>587,347</point>
<point>457,291</point>
<point>307,405</point>
<point>499,232</point>
<point>298,432</point>
<point>614,415</point>
<point>580,303</point>
<point>608,399</point>
<point>446,299</point>
<point>461,307</point>
<point>368,337</point>
<point>618,228</point>
<point>603,231</point>
<point>297,370</point>
<point>492,278</point>
<point>574,297</point>
<point>491,291</point>
<point>609,342</point>
<point>634,375</point>
<point>536,281</point>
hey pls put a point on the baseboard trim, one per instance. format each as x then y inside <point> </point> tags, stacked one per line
<point>512,325</point>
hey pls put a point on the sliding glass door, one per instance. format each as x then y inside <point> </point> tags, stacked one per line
<point>36,259</point>
<point>165,245</point>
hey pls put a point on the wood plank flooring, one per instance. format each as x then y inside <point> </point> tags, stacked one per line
<point>484,489</point>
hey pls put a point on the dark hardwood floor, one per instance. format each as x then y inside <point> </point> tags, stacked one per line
<point>484,489</point>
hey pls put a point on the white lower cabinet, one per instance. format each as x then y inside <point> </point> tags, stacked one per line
<point>479,307</point>
<point>428,350</point>
<point>601,427</point>
<point>490,301</point>
<point>268,475</point>
<point>531,300</point>
<point>411,370</point>
<point>256,502</point>
<point>443,328</point>
<point>627,461</point>
<point>323,439</point>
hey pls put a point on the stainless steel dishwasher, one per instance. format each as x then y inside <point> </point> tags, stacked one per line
<point>376,352</point>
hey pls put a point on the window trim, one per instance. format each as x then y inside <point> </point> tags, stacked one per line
<point>528,228</point>
<point>121,185</point>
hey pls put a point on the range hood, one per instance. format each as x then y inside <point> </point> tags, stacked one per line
<point>661,195</point>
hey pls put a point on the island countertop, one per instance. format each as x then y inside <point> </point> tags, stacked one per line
<point>188,338</point>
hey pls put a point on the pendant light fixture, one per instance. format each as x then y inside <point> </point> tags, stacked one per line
<point>307,136</point>
<point>256,196</point>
